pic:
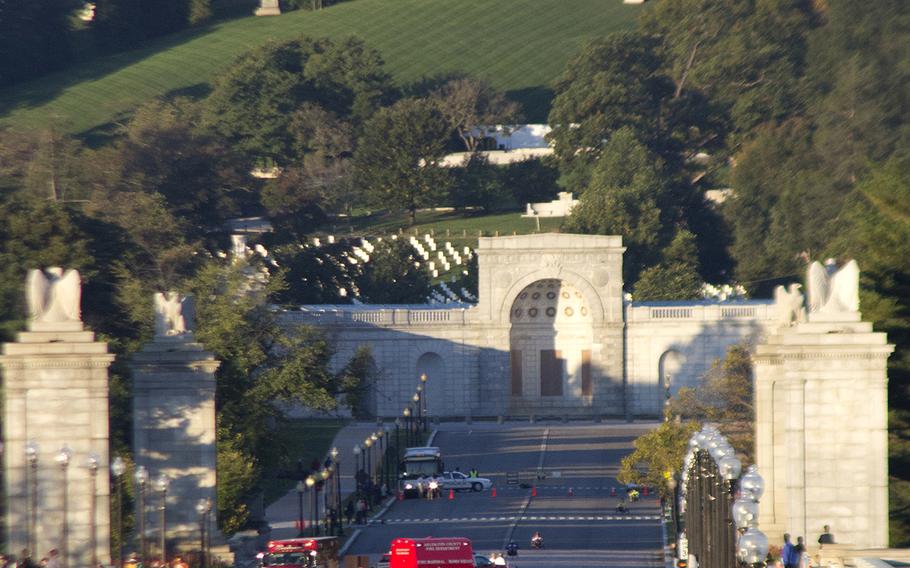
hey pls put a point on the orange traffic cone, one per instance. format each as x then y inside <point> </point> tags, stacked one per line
<point>534,491</point>
<point>493,493</point>
<point>451,494</point>
<point>612,492</point>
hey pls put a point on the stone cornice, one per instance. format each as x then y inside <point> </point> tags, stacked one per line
<point>96,361</point>
<point>778,357</point>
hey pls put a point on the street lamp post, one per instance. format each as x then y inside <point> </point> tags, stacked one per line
<point>339,526</point>
<point>142,478</point>
<point>301,487</point>
<point>63,458</point>
<point>93,474</point>
<point>357,451</point>
<point>419,425</point>
<point>118,468</point>
<point>311,484</point>
<point>31,454</point>
<point>423,381</point>
<point>368,456</point>
<point>397,447</point>
<point>407,425</point>
<point>161,485</point>
<point>202,508</point>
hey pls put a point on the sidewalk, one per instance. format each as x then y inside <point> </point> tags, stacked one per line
<point>282,515</point>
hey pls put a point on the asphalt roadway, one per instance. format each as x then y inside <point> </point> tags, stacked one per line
<point>573,507</point>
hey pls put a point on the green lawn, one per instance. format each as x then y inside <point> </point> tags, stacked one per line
<point>305,440</point>
<point>520,46</point>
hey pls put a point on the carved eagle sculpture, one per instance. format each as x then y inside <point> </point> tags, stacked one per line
<point>174,314</point>
<point>832,290</point>
<point>53,296</point>
<point>789,305</point>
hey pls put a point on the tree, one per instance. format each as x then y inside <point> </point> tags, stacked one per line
<point>391,276</point>
<point>676,277</point>
<point>262,364</point>
<point>622,199</point>
<point>355,380</point>
<point>398,156</point>
<point>469,105</point>
<point>532,181</point>
<point>200,12</point>
<point>294,200</point>
<point>478,184</point>
<point>253,103</point>
<point>745,56</point>
<point>34,37</point>
<point>612,83</point>
<point>856,73</point>
<point>657,455</point>
<point>781,207</point>
<point>725,397</point>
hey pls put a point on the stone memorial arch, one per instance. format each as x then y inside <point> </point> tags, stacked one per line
<point>554,303</point>
<point>550,335</point>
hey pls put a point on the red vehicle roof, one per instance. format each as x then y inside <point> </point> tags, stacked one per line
<point>431,553</point>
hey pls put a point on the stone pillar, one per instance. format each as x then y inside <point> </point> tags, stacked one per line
<point>55,386</point>
<point>821,430</point>
<point>174,432</point>
<point>268,8</point>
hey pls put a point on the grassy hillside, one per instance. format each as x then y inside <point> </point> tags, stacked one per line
<point>520,46</point>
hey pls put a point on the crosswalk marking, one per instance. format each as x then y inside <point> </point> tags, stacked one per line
<point>515,518</point>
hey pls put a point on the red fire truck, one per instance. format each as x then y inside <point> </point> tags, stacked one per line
<point>319,552</point>
<point>431,553</point>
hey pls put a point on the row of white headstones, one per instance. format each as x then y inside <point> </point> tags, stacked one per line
<point>445,259</point>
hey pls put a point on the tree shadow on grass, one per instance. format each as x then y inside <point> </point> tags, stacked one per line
<point>40,91</point>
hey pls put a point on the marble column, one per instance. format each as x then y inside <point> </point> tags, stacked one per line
<point>821,430</point>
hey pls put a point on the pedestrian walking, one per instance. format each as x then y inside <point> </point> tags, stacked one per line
<point>473,472</point>
<point>826,537</point>
<point>361,512</point>
<point>788,553</point>
<point>133,561</point>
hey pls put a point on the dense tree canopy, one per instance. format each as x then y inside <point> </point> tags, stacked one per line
<point>253,103</point>
<point>35,37</point>
<point>398,156</point>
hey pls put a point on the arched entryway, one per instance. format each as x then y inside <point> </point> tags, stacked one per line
<point>433,366</point>
<point>550,343</point>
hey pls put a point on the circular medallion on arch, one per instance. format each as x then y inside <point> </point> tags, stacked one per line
<point>558,301</point>
<point>601,278</point>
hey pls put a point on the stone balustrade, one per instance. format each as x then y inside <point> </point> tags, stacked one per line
<point>699,312</point>
<point>381,317</point>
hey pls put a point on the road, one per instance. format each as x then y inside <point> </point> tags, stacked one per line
<point>573,507</point>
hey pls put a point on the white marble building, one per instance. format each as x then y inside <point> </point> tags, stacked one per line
<point>550,335</point>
